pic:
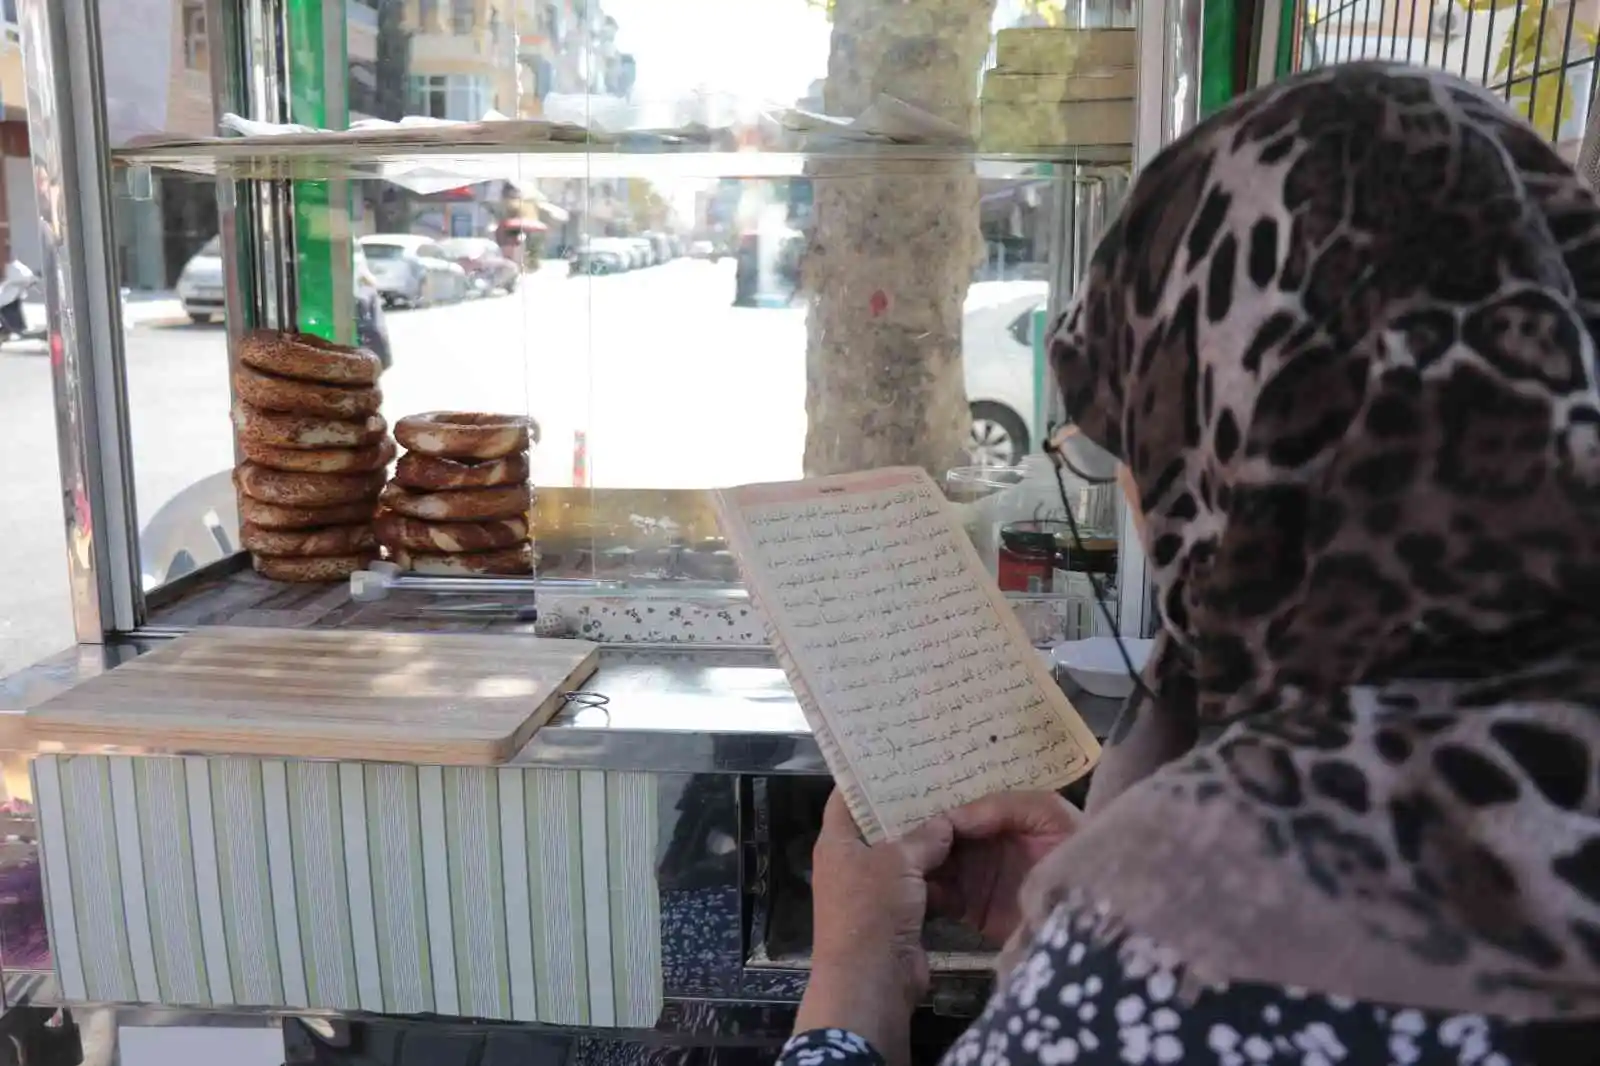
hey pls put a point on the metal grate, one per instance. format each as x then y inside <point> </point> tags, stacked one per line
<point>1539,55</point>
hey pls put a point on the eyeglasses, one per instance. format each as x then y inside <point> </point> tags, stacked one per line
<point>1082,457</point>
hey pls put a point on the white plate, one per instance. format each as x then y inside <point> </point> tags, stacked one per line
<point>1097,665</point>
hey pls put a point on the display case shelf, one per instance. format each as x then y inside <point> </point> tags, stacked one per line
<point>657,159</point>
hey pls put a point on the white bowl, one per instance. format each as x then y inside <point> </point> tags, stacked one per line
<point>1097,666</point>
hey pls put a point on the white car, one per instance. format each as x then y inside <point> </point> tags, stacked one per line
<point>997,356</point>
<point>644,253</point>
<point>200,288</point>
<point>200,285</point>
<point>413,271</point>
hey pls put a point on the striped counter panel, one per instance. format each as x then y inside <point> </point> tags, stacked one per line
<point>501,893</point>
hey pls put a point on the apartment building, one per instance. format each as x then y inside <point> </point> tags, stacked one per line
<point>463,58</point>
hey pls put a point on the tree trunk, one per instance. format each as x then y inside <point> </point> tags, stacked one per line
<point>892,247</point>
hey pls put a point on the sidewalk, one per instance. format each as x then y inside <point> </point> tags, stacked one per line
<point>141,309</point>
<point>161,307</point>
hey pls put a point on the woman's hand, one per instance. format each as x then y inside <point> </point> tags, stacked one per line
<point>999,839</point>
<point>868,968</point>
<point>869,901</point>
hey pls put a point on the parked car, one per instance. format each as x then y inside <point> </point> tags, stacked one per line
<point>767,268</point>
<point>661,247</point>
<point>484,261</point>
<point>200,286</point>
<point>644,253</point>
<point>997,358</point>
<point>412,270</point>
<point>702,250</point>
<point>601,255</point>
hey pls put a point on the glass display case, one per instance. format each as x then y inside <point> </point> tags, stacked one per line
<point>699,244</point>
<point>694,257</point>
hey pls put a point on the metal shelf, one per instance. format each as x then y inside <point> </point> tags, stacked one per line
<point>347,156</point>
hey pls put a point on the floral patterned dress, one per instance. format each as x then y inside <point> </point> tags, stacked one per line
<point>1079,1002</point>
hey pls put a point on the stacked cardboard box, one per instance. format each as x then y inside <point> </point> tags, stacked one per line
<point>1057,88</point>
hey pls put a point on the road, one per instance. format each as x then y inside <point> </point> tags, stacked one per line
<point>672,385</point>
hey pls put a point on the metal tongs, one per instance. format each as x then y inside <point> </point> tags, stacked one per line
<point>379,579</point>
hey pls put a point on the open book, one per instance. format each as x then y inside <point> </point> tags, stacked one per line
<point>912,670</point>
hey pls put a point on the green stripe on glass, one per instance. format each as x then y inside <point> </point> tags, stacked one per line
<point>314,60</point>
<point>1286,26</point>
<point>1217,23</point>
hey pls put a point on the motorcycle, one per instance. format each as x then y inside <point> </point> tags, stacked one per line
<point>14,325</point>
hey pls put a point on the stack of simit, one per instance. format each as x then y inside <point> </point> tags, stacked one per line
<point>458,504</point>
<point>314,454</point>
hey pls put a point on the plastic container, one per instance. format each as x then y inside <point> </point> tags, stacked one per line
<point>1030,556</point>
<point>977,492</point>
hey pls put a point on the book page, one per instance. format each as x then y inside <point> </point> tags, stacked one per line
<point>892,629</point>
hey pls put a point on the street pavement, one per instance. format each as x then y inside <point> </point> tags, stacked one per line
<point>671,385</point>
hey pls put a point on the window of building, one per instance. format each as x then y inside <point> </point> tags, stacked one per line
<point>427,15</point>
<point>196,54</point>
<point>459,97</point>
<point>463,17</point>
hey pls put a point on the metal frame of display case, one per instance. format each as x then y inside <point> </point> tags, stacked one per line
<point>66,119</point>
<point>249,75</point>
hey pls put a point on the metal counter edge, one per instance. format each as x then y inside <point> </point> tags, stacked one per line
<point>667,710</point>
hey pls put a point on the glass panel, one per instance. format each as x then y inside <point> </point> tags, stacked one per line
<point>169,258</point>
<point>721,286</point>
<point>35,605</point>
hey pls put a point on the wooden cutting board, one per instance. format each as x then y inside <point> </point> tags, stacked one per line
<point>435,698</point>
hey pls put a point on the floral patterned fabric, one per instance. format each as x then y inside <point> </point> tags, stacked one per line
<point>823,1047</point>
<point>1080,1000</point>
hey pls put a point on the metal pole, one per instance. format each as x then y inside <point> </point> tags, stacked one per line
<point>67,131</point>
<point>1168,106</point>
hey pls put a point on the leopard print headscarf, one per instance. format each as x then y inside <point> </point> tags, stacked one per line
<point>1343,336</point>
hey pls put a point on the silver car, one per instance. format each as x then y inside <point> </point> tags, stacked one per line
<point>200,285</point>
<point>413,271</point>
<point>200,288</point>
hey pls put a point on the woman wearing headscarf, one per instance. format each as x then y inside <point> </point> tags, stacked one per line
<point>1342,338</point>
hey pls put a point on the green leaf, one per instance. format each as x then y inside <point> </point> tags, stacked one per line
<point>1533,60</point>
